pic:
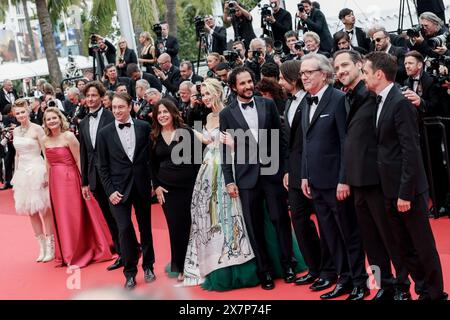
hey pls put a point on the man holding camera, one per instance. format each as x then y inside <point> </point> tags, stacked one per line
<point>168,74</point>
<point>167,43</point>
<point>102,50</point>
<point>241,20</point>
<point>257,57</point>
<point>281,22</point>
<point>217,36</point>
<point>315,21</point>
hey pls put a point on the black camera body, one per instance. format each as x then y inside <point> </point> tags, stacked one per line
<point>232,7</point>
<point>299,45</point>
<point>93,41</point>
<point>439,41</point>
<point>157,29</point>
<point>433,68</point>
<point>51,104</point>
<point>266,11</point>
<point>231,56</point>
<point>199,23</point>
<point>198,96</point>
<point>301,7</point>
<point>414,32</point>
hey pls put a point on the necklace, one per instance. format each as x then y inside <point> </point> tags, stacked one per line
<point>23,130</point>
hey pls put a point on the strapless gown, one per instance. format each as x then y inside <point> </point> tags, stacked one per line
<point>81,232</point>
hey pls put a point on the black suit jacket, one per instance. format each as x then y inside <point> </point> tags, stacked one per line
<point>430,96</point>
<point>195,78</point>
<point>173,80</point>
<point>88,154</point>
<point>129,56</point>
<point>323,141</point>
<point>172,48</point>
<point>219,40</point>
<point>248,170</point>
<point>361,36</point>
<point>151,79</point>
<point>399,53</point>
<point>399,157</point>
<point>316,22</point>
<point>360,147</point>
<point>125,80</point>
<point>294,135</point>
<point>117,172</point>
<point>4,101</point>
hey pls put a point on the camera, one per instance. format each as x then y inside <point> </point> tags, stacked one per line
<point>232,7</point>
<point>414,32</point>
<point>93,41</point>
<point>433,68</point>
<point>438,41</point>
<point>301,7</point>
<point>231,56</point>
<point>157,29</point>
<point>266,11</point>
<point>198,96</point>
<point>51,103</point>
<point>299,45</point>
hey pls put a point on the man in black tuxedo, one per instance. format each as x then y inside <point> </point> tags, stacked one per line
<point>321,273</point>
<point>168,44</point>
<point>124,165</point>
<point>7,95</point>
<point>187,73</point>
<point>168,74</point>
<point>96,119</point>
<point>260,159</point>
<point>358,37</point>
<point>136,74</point>
<point>112,80</point>
<point>280,22</point>
<point>324,178</point>
<point>402,174</point>
<point>383,44</point>
<point>217,36</point>
<point>361,167</point>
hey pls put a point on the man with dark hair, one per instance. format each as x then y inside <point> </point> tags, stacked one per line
<point>241,20</point>
<point>222,71</point>
<point>96,119</point>
<point>254,180</point>
<point>112,79</point>
<point>168,44</point>
<point>104,53</point>
<point>315,21</point>
<point>270,70</point>
<point>358,38</point>
<point>187,73</point>
<point>136,74</point>
<point>280,22</point>
<point>402,174</point>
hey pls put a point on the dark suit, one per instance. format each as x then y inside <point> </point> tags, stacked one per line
<point>403,177</point>
<point>254,183</point>
<point>172,47</point>
<point>323,166</point>
<point>90,172</point>
<point>108,54</point>
<point>4,100</point>
<point>360,151</point>
<point>194,78</point>
<point>361,36</point>
<point>132,180</point>
<point>151,79</point>
<point>173,80</point>
<point>282,24</point>
<point>314,250</point>
<point>129,56</point>
<point>399,53</point>
<point>316,22</point>
<point>219,40</point>
<point>435,6</point>
<point>122,80</point>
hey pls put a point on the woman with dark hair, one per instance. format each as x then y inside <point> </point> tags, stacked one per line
<point>341,41</point>
<point>173,176</point>
<point>270,89</point>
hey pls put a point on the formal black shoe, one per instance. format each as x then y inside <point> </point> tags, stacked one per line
<point>130,283</point>
<point>306,279</point>
<point>402,296</point>
<point>149,276</point>
<point>426,297</point>
<point>322,284</point>
<point>358,293</point>
<point>116,265</point>
<point>384,295</point>
<point>267,282</point>
<point>289,275</point>
<point>6,186</point>
<point>338,291</point>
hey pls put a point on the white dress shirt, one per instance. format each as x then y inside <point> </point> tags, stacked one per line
<point>384,95</point>
<point>251,116</point>
<point>127,137</point>
<point>313,108</point>
<point>93,126</point>
<point>294,106</point>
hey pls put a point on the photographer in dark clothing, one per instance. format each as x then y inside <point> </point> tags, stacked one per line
<point>241,20</point>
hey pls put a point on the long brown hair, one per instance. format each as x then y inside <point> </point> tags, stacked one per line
<point>177,121</point>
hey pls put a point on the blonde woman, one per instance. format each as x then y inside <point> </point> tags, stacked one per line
<point>147,57</point>
<point>81,234</point>
<point>30,183</point>
<point>124,57</point>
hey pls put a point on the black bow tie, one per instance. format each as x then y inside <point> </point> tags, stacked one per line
<point>349,32</point>
<point>250,104</point>
<point>291,97</point>
<point>350,94</point>
<point>378,100</point>
<point>312,100</point>
<point>93,114</point>
<point>123,125</point>
<point>414,80</point>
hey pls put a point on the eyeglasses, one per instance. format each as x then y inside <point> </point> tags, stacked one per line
<point>379,39</point>
<point>308,73</point>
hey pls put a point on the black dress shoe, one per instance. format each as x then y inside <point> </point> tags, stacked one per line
<point>402,296</point>
<point>358,293</point>
<point>267,282</point>
<point>426,297</point>
<point>130,284</point>
<point>149,276</point>
<point>6,186</point>
<point>384,295</point>
<point>306,279</point>
<point>322,284</point>
<point>289,275</point>
<point>116,265</point>
<point>338,291</point>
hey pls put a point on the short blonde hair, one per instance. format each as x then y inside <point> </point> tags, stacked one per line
<point>64,123</point>
<point>21,103</point>
<point>214,87</point>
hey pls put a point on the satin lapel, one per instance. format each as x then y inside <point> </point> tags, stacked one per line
<point>100,125</point>
<point>323,103</point>
<point>137,138</point>
<point>238,116</point>
<point>298,113</point>
<point>117,140</point>
<point>385,107</point>
<point>262,110</point>
<point>286,113</point>
<point>86,133</point>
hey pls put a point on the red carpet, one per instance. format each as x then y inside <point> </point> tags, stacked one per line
<point>22,278</point>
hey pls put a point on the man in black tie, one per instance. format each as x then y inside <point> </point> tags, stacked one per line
<point>217,36</point>
<point>97,118</point>
<point>402,174</point>
<point>7,95</point>
<point>321,273</point>
<point>324,177</point>
<point>168,74</point>
<point>124,162</point>
<point>259,166</point>
<point>187,73</point>
<point>169,44</point>
<point>358,37</point>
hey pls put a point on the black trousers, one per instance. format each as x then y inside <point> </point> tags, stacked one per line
<point>9,163</point>
<point>103,201</point>
<point>412,231</point>
<point>177,209</point>
<point>314,249</point>
<point>252,209</point>
<point>378,238</point>
<point>340,230</point>
<point>127,236</point>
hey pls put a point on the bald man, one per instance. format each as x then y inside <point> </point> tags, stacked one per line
<point>168,74</point>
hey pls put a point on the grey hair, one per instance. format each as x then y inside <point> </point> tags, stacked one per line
<point>255,40</point>
<point>322,63</point>
<point>151,91</point>
<point>187,84</point>
<point>430,16</point>
<point>143,83</point>
<point>313,35</point>
<point>74,90</point>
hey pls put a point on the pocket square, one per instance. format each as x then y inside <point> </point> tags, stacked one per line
<point>324,115</point>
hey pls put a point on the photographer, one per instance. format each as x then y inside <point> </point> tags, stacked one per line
<point>102,50</point>
<point>9,123</point>
<point>312,43</point>
<point>241,20</point>
<point>36,114</point>
<point>112,80</point>
<point>166,43</point>
<point>50,98</point>
<point>280,21</point>
<point>136,74</point>
<point>431,38</point>
<point>315,21</point>
<point>257,57</point>
<point>168,74</point>
<point>197,111</point>
<point>184,94</point>
<point>295,48</point>
<point>217,36</point>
